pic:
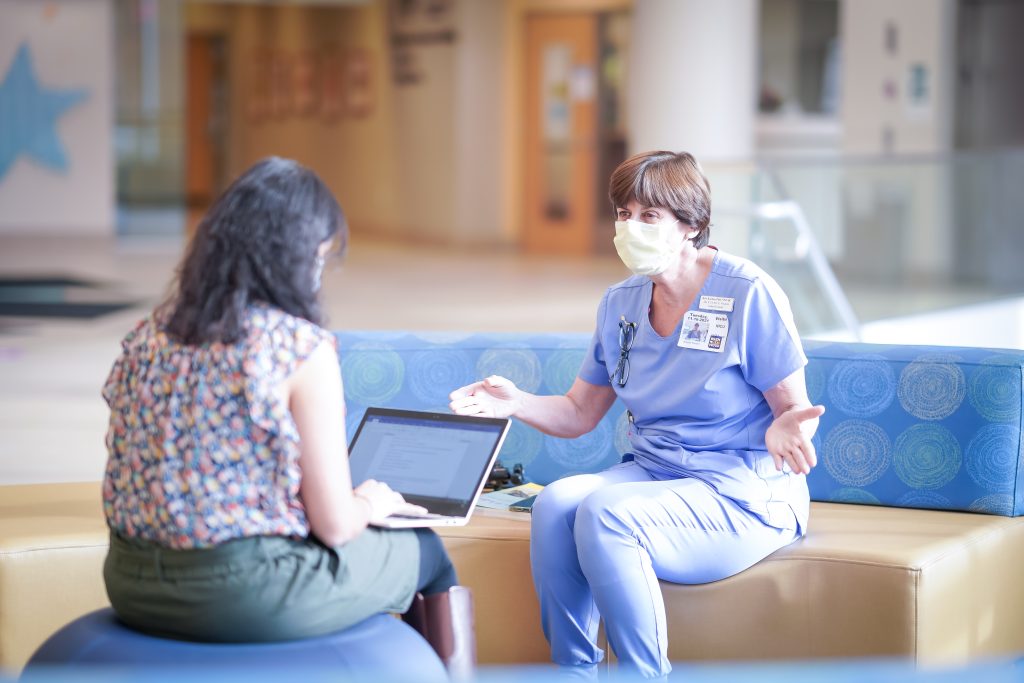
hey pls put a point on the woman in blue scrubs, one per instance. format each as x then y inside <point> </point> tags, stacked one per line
<point>701,347</point>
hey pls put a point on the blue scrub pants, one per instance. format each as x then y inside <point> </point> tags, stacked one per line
<point>600,542</point>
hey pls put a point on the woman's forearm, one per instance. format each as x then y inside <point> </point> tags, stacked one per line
<point>568,416</point>
<point>554,415</point>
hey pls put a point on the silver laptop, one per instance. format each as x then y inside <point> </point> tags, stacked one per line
<point>436,460</point>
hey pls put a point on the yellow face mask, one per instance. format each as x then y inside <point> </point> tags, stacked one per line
<point>647,249</point>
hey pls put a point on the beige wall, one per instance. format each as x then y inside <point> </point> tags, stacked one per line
<point>424,163</point>
<point>355,156</point>
<point>925,35</point>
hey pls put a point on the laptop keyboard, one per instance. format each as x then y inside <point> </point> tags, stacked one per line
<point>426,515</point>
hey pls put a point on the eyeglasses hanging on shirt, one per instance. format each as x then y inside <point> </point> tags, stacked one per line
<point>627,333</point>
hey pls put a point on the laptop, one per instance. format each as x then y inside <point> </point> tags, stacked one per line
<point>436,460</point>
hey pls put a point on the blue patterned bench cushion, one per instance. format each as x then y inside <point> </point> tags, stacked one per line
<point>418,370</point>
<point>918,426</point>
<point>906,426</point>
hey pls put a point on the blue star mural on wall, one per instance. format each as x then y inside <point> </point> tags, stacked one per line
<point>28,116</point>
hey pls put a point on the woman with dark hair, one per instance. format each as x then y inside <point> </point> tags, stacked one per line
<point>701,347</point>
<point>227,489</point>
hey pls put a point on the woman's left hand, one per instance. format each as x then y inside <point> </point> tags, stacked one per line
<point>789,438</point>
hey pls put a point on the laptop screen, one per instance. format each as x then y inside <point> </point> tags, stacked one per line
<point>436,460</point>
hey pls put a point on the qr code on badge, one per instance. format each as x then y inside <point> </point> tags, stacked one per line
<point>714,342</point>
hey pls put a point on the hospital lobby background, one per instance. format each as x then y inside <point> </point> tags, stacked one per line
<point>868,154</point>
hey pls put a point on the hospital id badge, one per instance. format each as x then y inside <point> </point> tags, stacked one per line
<point>704,331</point>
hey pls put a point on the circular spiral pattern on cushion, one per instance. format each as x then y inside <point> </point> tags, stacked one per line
<point>932,387</point>
<point>853,495</point>
<point>586,452</point>
<point>373,373</point>
<point>995,390</point>
<point>522,445</point>
<point>862,388</point>
<point>522,366</point>
<point>856,452</point>
<point>994,503</point>
<point>992,457</point>
<point>926,456</point>
<point>930,500</point>
<point>432,375</point>
<point>561,369</point>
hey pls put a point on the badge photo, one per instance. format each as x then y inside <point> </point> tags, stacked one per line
<point>704,331</point>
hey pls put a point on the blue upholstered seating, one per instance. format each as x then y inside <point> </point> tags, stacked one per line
<point>383,644</point>
<point>418,371</point>
<point>919,426</point>
<point>906,426</point>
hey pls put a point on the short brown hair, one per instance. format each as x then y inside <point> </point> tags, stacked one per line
<point>669,180</point>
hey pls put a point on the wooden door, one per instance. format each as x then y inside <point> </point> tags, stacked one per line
<point>204,112</point>
<point>561,138</point>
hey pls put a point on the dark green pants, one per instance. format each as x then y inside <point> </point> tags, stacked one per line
<point>261,588</point>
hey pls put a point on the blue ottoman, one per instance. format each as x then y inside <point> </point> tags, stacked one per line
<point>382,644</point>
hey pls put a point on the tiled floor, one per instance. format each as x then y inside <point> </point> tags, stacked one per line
<point>52,419</point>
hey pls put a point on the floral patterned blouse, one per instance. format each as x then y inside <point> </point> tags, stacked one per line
<point>202,446</point>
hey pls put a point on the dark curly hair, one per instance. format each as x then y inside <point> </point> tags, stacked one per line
<point>257,243</point>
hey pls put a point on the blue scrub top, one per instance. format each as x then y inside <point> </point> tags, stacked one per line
<point>702,414</point>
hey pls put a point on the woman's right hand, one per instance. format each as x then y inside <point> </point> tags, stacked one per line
<point>383,501</point>
<point>492,397</point>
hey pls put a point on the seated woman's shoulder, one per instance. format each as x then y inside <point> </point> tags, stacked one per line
<point>263,316</point>
<point>142,332</point>
<point>631,282</point>
<point>273,327</point>
<point>731,265</point>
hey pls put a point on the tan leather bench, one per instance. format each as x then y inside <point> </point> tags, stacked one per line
<point>52,543</point>
<point>934,587</point>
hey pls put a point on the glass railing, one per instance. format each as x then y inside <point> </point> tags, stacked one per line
<point>873,240</point>
<point>910,235</point>
<point>752,218</point>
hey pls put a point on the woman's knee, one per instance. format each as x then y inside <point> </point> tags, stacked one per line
<point>436,572</point>
<point>603,511</point>
<point>430,543</point>
<point>561,498</point>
